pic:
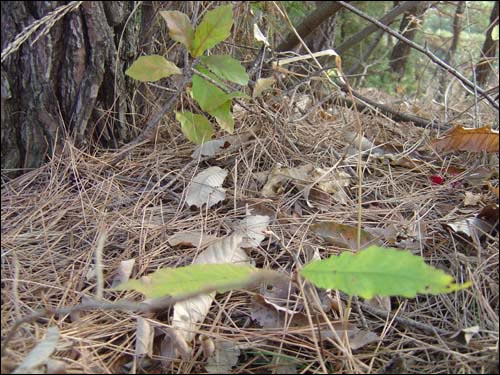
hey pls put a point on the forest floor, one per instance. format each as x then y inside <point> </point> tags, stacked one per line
<point>72,222</point>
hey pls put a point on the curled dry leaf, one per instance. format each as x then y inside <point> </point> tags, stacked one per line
<point>206,187</point>
<point>468,139</point>
<point>191,239</point>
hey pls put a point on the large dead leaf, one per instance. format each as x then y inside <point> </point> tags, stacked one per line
<point>189,314</point>
<point>206,187</point>
<point>468,139</point>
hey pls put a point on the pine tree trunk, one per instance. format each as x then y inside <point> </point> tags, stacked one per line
<point>70,82</point>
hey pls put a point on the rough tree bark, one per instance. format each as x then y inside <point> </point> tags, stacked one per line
<point>488,52</point>
<point>68,83</point>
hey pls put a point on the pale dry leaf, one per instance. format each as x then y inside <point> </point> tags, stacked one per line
<point>225,356</point>
<point>362,338</point>
<point>471,226</point>
<point>206,187</point>
<point>196,239</point>
<point>144,335</point>
<point>40,353</point>
<point>472,199</point>
<point>189,314</point>
<point>381,303</point>
<point>209,148</point>
<point>124,271</point>
<point>252,229</point>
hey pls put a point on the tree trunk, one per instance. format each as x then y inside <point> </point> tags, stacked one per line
<point>450,54</point>
<point>70,82</point>
<point>488,52</point>
<point>408,28</point>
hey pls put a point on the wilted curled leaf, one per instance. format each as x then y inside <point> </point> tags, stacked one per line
<point>468,139</point>
<point>206,187</point>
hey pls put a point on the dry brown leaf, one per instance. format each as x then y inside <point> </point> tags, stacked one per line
<point>341,235</point>
<point>362,338</point>
<point>191,239</point>
<point>468,139</point>
<point>472,199</point>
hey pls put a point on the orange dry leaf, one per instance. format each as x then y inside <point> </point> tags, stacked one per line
<point>468,139</point>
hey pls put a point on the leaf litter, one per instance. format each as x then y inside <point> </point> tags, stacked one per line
<point>50,218</point>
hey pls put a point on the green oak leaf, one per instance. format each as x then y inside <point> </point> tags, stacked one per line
<point>224,116</point>
<point>227,68</point>
<point>195,127</point>
<point>214,28</point>
<point>378,271</point>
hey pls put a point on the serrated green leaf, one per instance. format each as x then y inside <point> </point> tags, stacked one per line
<point>180,28</point>
<point>224,116</point>
<point>227,68</point>
<point>207,95</point>
<point>152,68</point>
<point>377,271</point>
<point>191,279</point>
<point>195,127</point>
<point>214,28</point>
